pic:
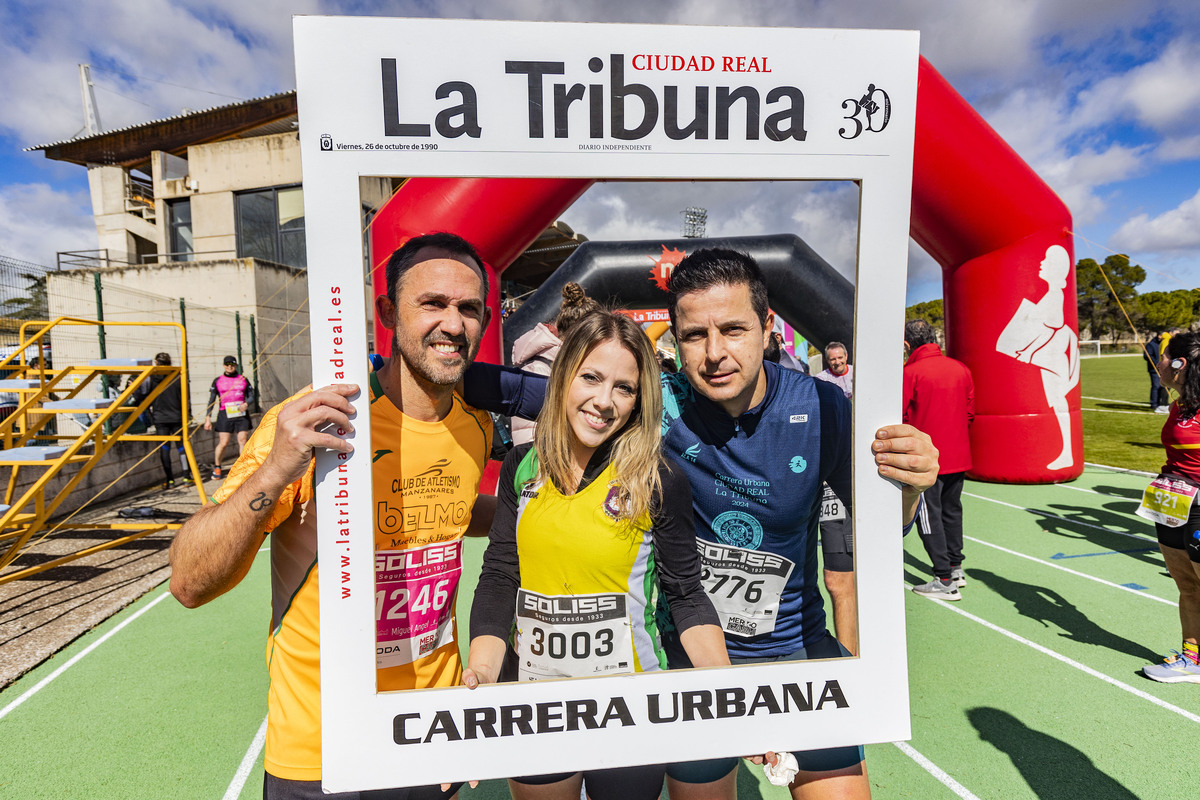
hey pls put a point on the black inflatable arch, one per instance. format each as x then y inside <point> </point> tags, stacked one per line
<point>803,288</point>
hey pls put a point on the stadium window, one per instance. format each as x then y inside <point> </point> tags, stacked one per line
<point>271,225</point>
<point>179,230</point>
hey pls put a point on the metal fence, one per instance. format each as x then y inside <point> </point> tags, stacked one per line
<point>1096,348</point>
<point>271,346</point>
<point>22,290</point>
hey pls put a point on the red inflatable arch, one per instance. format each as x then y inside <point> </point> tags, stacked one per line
<point>1000,234</point>
<point>1003,240</point>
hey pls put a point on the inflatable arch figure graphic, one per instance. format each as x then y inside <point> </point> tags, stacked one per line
<point>998,231</point>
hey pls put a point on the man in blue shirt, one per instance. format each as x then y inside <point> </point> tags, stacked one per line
<point>757,442</point>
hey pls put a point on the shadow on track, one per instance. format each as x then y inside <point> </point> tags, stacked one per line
<point>1053,769</point>
<point>1120,491</point>
<point>1049,607</point>
<point>1121,528</point>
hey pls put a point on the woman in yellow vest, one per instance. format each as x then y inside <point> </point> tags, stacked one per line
<point>590,525</point>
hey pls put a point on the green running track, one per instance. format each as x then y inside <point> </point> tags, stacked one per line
<point>1027,688</point>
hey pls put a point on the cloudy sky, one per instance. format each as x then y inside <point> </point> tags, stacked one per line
<point>1101,97</point>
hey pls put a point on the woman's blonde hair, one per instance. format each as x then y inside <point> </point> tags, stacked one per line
<point>635,448</point>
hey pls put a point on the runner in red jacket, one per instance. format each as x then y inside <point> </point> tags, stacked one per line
<point>1170,501</point>
<point>939,398</point>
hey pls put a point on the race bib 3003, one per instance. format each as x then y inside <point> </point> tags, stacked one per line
<point>1167,501</point>
<point>573,636</point>
<point>414,601</point>
<point>744,585</point>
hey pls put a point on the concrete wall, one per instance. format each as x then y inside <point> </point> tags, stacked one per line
<point>282,331</point>
<point>213,291</point>
<point>210,177</point>
<point>214,173</point>
<point>115,227</point>
<point>239,164</point>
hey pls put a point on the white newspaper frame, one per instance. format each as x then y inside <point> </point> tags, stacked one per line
<point>338,70</point>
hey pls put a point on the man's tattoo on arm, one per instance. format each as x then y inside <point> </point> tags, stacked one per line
<point>260,502</point>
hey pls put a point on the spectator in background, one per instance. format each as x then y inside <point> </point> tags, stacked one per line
<point>837,535</point>
<point>784,359</point>
<point>9,401</point>
<point>1151,353</point>
<point>166,414</point>
<point>838,369</point>
<point>772,351</point>
<point>1169,502</point>
<point>1164,396</point>
<point>232,395</point>
<point>1165,339</point>
<point>939,398</point>
<point>666,362</point>
<point>536,349</point>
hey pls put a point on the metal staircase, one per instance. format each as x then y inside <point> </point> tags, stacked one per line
<point>28,441</point>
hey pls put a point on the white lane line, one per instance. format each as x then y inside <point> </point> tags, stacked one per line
<point>1120,469</point>
<point>1088,491</point>
<point>1119,411</point>
<point>1137,592</point>
<point>1114,400</point>
<point>1039,512</point>
<point>936,771</point>
<point>1072,663</point>
<point>248,761</point>
<point>74,659</point>
<point>44,682</point>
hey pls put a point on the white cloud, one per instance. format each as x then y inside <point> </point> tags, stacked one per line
<point>1077,178</point>
<point>922,269</point>
<point>1177,229</point>
<point>824,215</point>
<point>222,51</point>
<point>1162,93</point>
<point>37,221</point>
<point>1039,126</point>
<point>1184,148</point>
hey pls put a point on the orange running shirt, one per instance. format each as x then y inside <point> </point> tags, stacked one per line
<point>425,479</point>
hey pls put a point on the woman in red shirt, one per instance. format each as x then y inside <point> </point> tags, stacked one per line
<point>1170,501</point>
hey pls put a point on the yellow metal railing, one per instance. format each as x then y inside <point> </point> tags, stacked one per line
<point>28,515</point>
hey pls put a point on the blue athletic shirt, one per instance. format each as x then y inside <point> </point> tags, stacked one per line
<point>756,484</point>
<point>756,480</point>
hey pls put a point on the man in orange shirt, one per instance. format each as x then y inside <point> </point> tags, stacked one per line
<point>428,449</point>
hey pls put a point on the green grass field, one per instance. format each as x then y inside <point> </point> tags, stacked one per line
<point>1119,429</point>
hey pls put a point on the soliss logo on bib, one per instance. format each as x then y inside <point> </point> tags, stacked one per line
<point>738,529</point>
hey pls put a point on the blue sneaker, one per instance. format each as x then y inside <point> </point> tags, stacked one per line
<point>1174,669</point>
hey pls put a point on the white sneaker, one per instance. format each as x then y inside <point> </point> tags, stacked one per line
<point>1162,410</point>
<point>937,590</point>
<point>959,577</point>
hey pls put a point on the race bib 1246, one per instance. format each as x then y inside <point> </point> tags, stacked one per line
<point>414,601</point>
